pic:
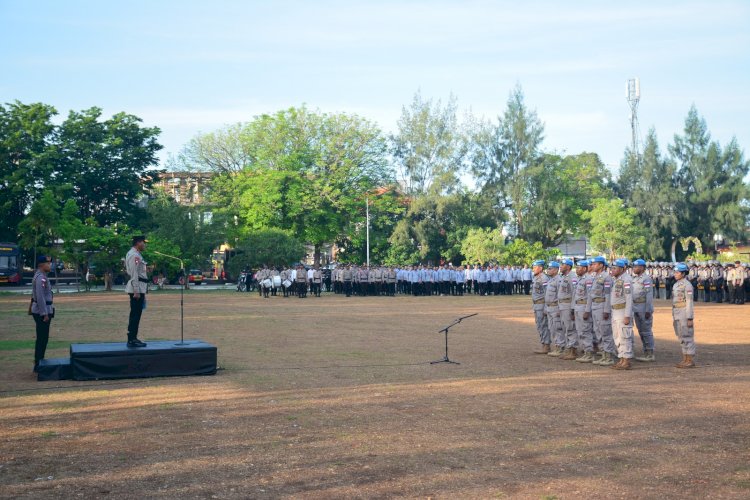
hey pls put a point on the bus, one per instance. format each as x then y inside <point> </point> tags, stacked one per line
<point>11,264</point>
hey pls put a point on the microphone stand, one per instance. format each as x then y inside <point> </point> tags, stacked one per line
<point>182,291</point>
<point>445,330</point>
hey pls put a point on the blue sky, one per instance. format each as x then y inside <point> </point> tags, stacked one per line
<point>190,67</point>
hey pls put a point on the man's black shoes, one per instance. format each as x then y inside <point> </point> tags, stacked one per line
<point>136,343</point>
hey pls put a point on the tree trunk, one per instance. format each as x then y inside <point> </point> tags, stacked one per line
<point>316,255</point>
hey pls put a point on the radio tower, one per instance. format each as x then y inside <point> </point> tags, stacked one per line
<point>633,95</point>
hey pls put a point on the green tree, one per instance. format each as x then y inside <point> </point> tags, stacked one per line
<point>712,181</point>
<point>520,252</point>
<point>105,163</point>
<point>613,229</point>
<point>272,247</point>
<point>483,245</point>
<point>40,227</point>
<point>649,186</point>
<point>25,132</point>
<point>500,154</point>
<point>429,146</point>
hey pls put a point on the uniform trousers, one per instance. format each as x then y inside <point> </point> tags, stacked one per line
<point>136,310</point>
<point>542,327</point>
<point>567,320</point>
<point>42,337</point>
<point>555,327</point>
<point>645,329</point>
<point>603,331</point>
<point>685,334</point>
<point>622,334</point>
<point>585,331</point>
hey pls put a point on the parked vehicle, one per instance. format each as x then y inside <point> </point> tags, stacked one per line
<point>11,264</point>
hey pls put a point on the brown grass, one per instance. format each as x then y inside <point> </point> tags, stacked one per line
<point>334,398</point>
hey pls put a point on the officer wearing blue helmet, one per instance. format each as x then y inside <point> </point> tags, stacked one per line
<point>643,309</point>
<point>552,307</point>
<point>599,309</point>
<point>538,286</point>
<point>621,301</point>
<point>567,316</point>
<point>682,315</point>
<point>584,324</point>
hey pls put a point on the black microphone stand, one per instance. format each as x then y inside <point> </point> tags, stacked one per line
<point>183,283</point>
<point>445,330</point>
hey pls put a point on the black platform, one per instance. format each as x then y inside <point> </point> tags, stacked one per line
<point>54,369</point>
<point>157,359</point>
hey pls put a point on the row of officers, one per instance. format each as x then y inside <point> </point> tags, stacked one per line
<point>588,315</point>
<point>712,281</point>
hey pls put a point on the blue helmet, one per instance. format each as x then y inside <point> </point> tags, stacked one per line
<point>600,259</point>
<point>639,262</point>
<point>681,267</point>
<point>583,263</point>
<point>568,262</point>
<point>538,263</point>
<point>554,263</point>
<point>623,263</point>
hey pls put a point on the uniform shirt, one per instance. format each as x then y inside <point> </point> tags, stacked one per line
<point>621,298</point>
<point>682,300</point>
<point>41,295</point>
<point>301,276</point>
<point>538,286</point>
<point>599,292</point>
<point>643,293</point>
<point>135,266</point>
<point>550,293</point>
<point>317,276</point>
<point>581,286</point>
<point>565,290</point>
<point>526,274</point>
<point>509,276</point>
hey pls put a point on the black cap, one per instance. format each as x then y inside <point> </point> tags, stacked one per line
<point>138,238</point>
<point>41,259</point>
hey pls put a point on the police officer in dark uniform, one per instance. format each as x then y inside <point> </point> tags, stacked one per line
<point>41,307</point>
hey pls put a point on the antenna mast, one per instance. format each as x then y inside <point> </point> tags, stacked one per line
<point>633,95</point>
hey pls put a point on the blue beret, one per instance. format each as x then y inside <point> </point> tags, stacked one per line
<point>621,263</point>
<point>41,259</point>
<point>554,263</point>
<point>600,259</point>
<point>583,263</point>
<point>639,262</point>
<point>681,267</point>
<point>568,262</point>
<point>538,263</point>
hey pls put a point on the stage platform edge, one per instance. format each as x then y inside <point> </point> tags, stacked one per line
<point>54,369</point>
<point>160,358</point>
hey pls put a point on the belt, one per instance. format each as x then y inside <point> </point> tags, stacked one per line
<point>552,304</point>
<point>679,305</point>
<point>48,303</point>
<point>617,307</point>
<point>639,301</point>
<point>598,300</point>
<point>581,301</point>
<point>143,280</point>
<point>566,301</point>
<point>539,301</point>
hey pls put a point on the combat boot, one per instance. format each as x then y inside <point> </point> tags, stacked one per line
<point>587,357</point>
<point>648,356</point>
<point>602,356</point>
<point>607,360</point>
<point>543,350</point>
<point>623,364</point>
<point>687,362</point>
<point>556,352</point>
<point>570,354</point>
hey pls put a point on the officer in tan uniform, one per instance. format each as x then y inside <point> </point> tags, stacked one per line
<point>538,287</point>
<point>598,308</point>
<point>584,326</point>
<point>643,309</point>
<point>317,281</point>
<point>567,315</point>
<point>346,280</point>
<point>136,288</point>
<point>301,282</point>
<point>621,302</point>
<point>682,316</point>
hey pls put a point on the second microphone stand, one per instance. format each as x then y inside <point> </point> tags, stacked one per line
<point>445,330</point>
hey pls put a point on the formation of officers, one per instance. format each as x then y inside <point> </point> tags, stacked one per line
<point>588,315</point>
<point>712,281</point>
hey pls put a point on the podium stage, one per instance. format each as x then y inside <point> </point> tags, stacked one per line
<point>163,358</point>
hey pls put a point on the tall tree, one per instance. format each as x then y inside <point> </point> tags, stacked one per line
<point>429,146</point>
<point>649,186</point>
<point>613,229</point>
<point>712,181</point>
<point>25,133</point>
<point>499,157</point>
<point>105,162</point>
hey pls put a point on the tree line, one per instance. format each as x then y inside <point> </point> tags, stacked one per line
<point>303,176</point>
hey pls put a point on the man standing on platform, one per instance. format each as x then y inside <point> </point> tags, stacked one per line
<point>136,288</point>
<point>41,307</point>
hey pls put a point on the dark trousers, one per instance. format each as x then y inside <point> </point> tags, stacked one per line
<point>42,337</point>
<point>526,287</point>
<point>348,288</point>
<point>136,309</point>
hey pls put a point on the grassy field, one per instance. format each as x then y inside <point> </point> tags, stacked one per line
<point>335,398</point>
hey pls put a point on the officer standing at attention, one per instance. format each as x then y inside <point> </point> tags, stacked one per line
<point>539,284</point>
<point>621,301</point>
<point>682,316</point>
<point>317,281</point>
<point>643,309</point>
<point>553,309</point>
<point>598,308</point>
<point>584,326</point>
<point>567,315</point>
<point>136,288</point>
<point>301,279</point>
<point>41,307</point>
